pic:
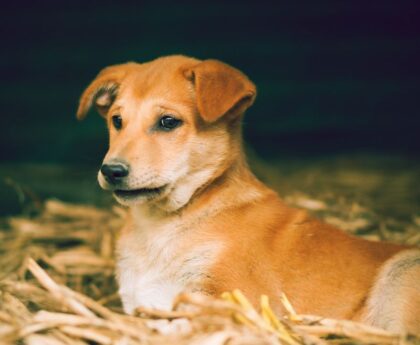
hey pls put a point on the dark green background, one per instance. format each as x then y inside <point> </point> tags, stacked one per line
<point>333,76</point>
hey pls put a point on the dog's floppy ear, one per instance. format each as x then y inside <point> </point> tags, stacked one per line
<point>102,91</point>
<point>220,89</point>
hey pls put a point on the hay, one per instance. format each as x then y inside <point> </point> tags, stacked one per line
<point>57,287</point>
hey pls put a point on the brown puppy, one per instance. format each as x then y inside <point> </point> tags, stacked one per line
<point>200,221</point>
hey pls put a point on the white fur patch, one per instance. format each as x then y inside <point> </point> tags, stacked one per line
<point>390,305</point>
<point>153,268</point>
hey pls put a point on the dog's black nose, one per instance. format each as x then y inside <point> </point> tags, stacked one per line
<point>114,172</point>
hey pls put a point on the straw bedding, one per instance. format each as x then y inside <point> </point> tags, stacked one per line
<point>57,287</point>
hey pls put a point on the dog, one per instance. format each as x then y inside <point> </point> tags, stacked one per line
<point>200,221</point>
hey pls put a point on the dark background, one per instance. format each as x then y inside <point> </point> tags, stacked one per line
<point>333,76</point>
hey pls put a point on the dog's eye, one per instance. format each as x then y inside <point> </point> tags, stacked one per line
<point>117,121</point>
<point>168,123</point>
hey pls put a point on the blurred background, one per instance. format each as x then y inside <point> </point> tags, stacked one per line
<point>338,85</point>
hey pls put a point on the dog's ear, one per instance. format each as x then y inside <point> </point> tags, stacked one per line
<point>220,89</point>
<point>102,91</point>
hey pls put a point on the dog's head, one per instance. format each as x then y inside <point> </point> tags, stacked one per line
<point>174,126</point>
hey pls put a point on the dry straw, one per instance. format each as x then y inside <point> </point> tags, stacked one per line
<point>57,287</point>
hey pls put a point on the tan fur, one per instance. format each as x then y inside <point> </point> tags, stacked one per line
<point>216,227</point>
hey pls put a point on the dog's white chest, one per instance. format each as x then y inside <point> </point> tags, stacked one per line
<point>146,286</point>
<point>154,267</point>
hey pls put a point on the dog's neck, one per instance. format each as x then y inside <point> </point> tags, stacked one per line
<point>235,185</point>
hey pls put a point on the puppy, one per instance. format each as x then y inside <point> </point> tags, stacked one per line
<point>200,221</point>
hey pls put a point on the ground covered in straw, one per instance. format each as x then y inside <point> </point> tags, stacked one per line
<point>56,266</point>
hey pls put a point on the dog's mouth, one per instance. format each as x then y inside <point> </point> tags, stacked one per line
<point>146,193</point>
